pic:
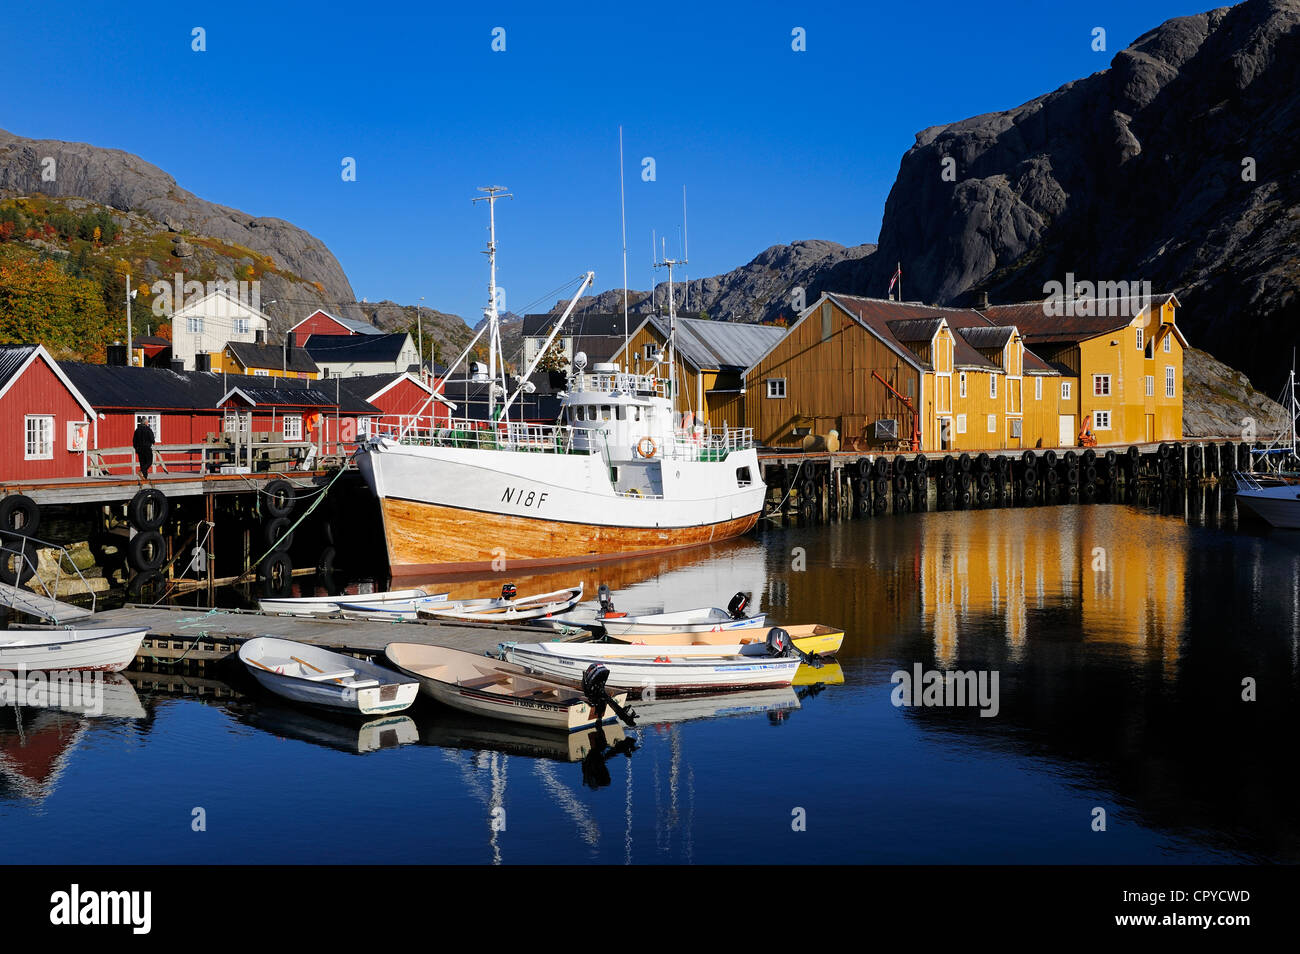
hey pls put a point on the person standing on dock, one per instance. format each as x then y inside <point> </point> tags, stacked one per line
<point>142,441</point>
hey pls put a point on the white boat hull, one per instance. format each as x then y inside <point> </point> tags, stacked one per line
<point>657,670</point>
<point>390,692</point>
<point>1280,506</point>
<point>108,650</point>
<point>329,605</point>
<point>645,628</point>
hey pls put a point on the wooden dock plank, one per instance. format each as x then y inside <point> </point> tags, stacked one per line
<point>183,625</point>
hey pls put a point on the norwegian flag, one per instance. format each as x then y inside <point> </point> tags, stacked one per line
<point>898,273</point>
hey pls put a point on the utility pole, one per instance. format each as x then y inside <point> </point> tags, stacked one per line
<point>419,339</point>
<point>130,342</point>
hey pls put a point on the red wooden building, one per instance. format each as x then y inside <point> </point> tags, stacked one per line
<point>46,424</point>
<point>321,322</point>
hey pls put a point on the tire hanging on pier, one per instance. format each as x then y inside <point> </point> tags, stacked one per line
<point>277,534</point>
<point>145,587</point>
<point>148,509</point>
<point>147,550</point>
<point>278,498</point>
<point>19,515</point>
<point>14,568</point>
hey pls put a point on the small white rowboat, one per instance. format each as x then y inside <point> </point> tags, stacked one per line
<point>490,687</point>
<point>329,605</point>
<point>390,609</point>
<point>109,650</point>
<point>663,669</point>
<point>505,609</point>
<point>319,677</point>
<point>710,620</point>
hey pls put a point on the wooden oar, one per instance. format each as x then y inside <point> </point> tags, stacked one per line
<point>303,662</point>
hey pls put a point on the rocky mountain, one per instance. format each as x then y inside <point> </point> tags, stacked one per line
<point>303,273</point>
<point>1179,165</point>
<point>1218,401</point>
<point>760,291</point>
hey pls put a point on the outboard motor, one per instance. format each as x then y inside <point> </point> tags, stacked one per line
<point>779,642</point>
<point>606,600</point>
<point>509,591</point>
<point>594,678</point>
<point>737,606</point>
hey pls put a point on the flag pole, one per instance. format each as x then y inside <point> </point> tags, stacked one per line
<point>900,283</point>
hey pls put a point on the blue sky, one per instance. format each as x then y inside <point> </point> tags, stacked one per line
<point>772,145</point>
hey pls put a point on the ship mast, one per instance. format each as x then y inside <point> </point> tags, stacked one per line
<point>490,312</point>
<point>668,263</point>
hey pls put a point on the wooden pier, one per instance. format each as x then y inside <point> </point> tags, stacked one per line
<point>202,637</point>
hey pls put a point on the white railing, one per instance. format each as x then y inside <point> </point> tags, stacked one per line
<point>620,381</point>
<point>709,444</point>
<point>26,550</point>
<point>481,435</point>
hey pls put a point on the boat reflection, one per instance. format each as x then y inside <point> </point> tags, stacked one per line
<point>338,732</point>
<point>778,704</point>
<point>45,718</point>
<point>450,729</point>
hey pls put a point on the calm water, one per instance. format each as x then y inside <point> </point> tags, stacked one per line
<point>1120,638</point>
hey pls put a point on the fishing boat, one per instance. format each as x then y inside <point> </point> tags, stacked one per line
<point>491,687</point>
<point>812,638</point>
<point>507,608</point>
<point>316,676</point>
<point>329,605</point>
<point>109,650</point>
<point>663,669</point>
<point>623,471</point>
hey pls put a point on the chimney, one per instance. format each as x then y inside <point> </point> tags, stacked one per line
<point>290,341</point>
<point>259,336</point>
<point>983,304</point>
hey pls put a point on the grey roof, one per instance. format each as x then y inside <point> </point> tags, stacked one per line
<point>12,358</point>
<point>721,345</point>
<point>912,330</point>
<point>359,326</point>
<point>280,397</point>
<point>364,348</point>
<point>988,339</point>
<point>253,355</point>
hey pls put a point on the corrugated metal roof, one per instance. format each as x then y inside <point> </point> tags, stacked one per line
<point>987,338</point>
<point>913,330</point>
<point>278,397</point>
<point>13,357</point>
<point>253,355</point>
<point>359,326</point>
<point>721,345</point>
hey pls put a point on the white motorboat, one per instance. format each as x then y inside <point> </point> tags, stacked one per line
<point>507,608</point>
<point>109,650</point>
<point>491,687</point>
<point>656,670</point>
<point>329,605</point>
<point>319,677</point>
<point>1274,498</point>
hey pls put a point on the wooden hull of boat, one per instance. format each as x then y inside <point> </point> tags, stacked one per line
<point>106,650</point>
<point>425,537</point>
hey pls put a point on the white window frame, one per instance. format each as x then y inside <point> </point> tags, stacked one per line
<point>194,325</point>
<point>1101,385</point>
<point>242,326</point>
<point>649,350</point>
<point>1101,420</point>
<point>772,388</point>
<point>1065,390</point>
<point>993,385</point>
<point>1038,389</point>
<point>1171,387</point>
<point>294,434</point>
<point>1168,345</point>
<point>34,426</point>
<point>1139,339</point>
<point>961,385</point>
<point>993,423</point>
<point>961,423</point>
<point>261,373</point>
<point>155,424</point>
<point>1150,385</point>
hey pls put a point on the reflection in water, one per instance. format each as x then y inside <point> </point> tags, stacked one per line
<point>1121,637</point>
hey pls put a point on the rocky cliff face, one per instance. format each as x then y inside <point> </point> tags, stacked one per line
<point>1180,164</point>
<point>306,273</point>
<point>759,291</point>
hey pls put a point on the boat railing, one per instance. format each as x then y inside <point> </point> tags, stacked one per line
<point>620,381</point>
<point>22,554</point>
<point>710,444</point>
<point>482,435</point>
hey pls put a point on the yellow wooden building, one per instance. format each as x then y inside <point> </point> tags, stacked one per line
<point>1127,354</point>
<point>263,360</point>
